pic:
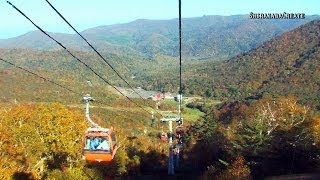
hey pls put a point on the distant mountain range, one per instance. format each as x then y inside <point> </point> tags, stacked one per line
<point>207,37</point>
<point>287,64</point>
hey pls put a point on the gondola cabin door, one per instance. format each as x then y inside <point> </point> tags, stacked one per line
<point>98,145</point>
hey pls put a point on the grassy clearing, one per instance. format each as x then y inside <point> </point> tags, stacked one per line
<point>192,115</point>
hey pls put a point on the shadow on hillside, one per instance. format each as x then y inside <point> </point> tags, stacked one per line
<point>22,176</point>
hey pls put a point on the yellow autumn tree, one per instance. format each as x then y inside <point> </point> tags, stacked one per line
<point>237,170</point>
<point>38,138</point>
<point>316,130</point>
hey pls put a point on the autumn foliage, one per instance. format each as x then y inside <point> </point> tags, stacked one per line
<point>268,137</point>
<point>39,139</point>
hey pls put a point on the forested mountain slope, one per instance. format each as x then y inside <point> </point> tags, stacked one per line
<point>288,64</point>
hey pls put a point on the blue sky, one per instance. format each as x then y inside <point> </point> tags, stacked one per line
<point>85,14</point>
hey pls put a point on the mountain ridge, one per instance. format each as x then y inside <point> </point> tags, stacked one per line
<point>287,64</point>
<point>207,37</point>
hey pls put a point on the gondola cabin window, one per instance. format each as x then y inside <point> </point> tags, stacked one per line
<point>97,144</point>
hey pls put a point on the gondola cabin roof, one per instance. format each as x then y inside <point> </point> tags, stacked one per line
<point>98,129</point>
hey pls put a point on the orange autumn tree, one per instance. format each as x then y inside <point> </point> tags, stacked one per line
<point>37,138</point>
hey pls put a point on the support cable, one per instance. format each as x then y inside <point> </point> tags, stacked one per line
<point>53,82</point>
<point>180,65</point>
<point>95,50</point>
<point>77,58</point>
<point>46,79</point>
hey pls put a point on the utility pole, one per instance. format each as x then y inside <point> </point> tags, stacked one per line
<point>179,97</point>
<point>87,99</point>
<point>152,119</point>
<point>170,163</point>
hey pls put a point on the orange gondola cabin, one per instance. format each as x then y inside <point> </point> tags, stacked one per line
<point>164,136</point>
<point>99,145</point>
